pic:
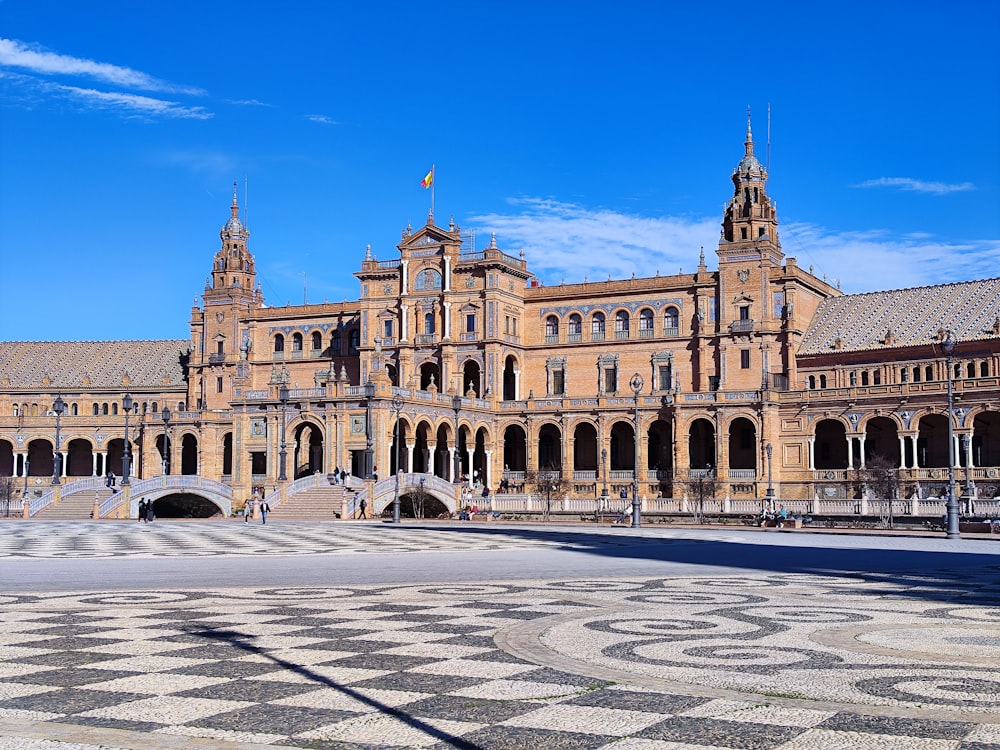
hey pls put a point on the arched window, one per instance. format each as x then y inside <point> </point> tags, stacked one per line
<point>427,279</point>
<point>16,411</point>
<point>335,343</point>
<point>317,341</point>
<point>114,409</point>
<point>812,382</point>
<point>984,369</point>
<point>854,379</point>
<point>646,323</point>
<point>551,329</point>
<point>929,373</point>
<point>156,408</point>
<point>279,345</point>
<point>73,410</point>
<point>354,341</point>
<point>296,342</point>
<point>822,381</point>
<point>864,377</point>
<point>671,318</point>
<point>916,374</point>
<point>575,327</point>
<point>97,410</point>
<point>621,324</point>
<point>104,410</point>
<point>972,369</point>
<point>597,325</point>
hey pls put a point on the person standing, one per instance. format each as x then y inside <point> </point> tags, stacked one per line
<point>264,510</point>
<point>149,511</point>
<point>336,475</point>
<point>343,477</point>
<point>246,511</point>
<point>141,515</point>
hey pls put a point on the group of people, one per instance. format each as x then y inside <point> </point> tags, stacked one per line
<point>145,511</point>
<point>250,505</point>
<point>339,476</point>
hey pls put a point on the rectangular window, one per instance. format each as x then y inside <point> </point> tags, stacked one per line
<point>388,329</point>
<point>558,382</point>
<point>610,380</point>
<point>664,377</point>
<point>877,377</point>
<point>218,385</point>
<point>470,323</point>
<point>219,347</point>
<point>744,312</point>
<point>744,359</point>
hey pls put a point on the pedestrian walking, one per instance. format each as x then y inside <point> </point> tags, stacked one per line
<point>149,511</point>
<point>362,506</point>
<point>141,515</point>
<point>343,477</point>
<point>110,479</point>
<point>264,510</point>
<point>246,511</point>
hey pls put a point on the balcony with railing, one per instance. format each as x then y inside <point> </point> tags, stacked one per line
<point>646,333</point>
<point>551,338</point>
<point>574,338</point>
<point>425,339</point>
<point>597,335</point>
<point>672,332</point>
<point>622,335</point>
<point>742,326</point>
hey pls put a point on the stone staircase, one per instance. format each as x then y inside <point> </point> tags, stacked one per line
<point>75,507</point>
<point>315,504</point>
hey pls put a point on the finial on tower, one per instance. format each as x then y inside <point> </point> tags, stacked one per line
<point>235,202</point>
<point>493,240</point>
<point>368,252</point>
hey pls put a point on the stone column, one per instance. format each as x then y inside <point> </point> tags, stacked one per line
<point>488,469</point>
<point>861,439</point>
<point>811,453</point>
<point>850,452</point>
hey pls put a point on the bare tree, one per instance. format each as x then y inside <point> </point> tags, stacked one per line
<point>702,485</point>
<point>419,499</point>
<point>6,494</point>
<point>546,482</point>
<point>881,476</point>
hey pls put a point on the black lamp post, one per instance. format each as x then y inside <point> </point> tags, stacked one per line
<point>127,453</point>
<point>165,415</point>
<point>604,475</point>
<point>967,448</point>
<point>770,486</point>
<point>58,407</point>
<point>636,385</point>
<point>369,436</point>
<point>456,404</point>
<point>948,347</point>
<point>397,405</point>
<point>282,453</point>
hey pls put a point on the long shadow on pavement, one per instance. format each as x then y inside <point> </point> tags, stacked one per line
<point>928,574</point>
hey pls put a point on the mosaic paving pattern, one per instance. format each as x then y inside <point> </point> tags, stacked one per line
<point>101,539</point>
<point>703,663</point>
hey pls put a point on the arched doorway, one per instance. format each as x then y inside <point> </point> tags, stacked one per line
<point>661,449</point>
<point>742,444</point>
<point>882,439</point>
<point>831,445</point>
<point>932,441</point>
<point>585,452</point>
<point>189,454</point>
<point>308,450</point>
<point>430,374</point>
<point>397,451</point>
<point>422,449</point>
<point>515,445</point>
<point>442,467</point>
<point>479,456</point>
<point>621,456</point>
<point>80,461</point>
<point>227,454</point>
<point>471,378</point>
<point>701,444</point>
<point>6,459</point>
<point>986,439</point>
<point>164,452</point>
<point>510,379</point>
<point>549,448</point>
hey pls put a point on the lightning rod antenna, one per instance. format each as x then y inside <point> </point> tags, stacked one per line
<point>768,159</point>
<point>246,202</point>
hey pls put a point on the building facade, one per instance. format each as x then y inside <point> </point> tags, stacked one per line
<point>457,363</point>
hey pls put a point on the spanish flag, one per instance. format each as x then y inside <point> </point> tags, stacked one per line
<point>428,179</point>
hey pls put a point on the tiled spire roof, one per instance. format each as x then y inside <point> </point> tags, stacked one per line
<point>93,364</point>
<point>907,317</point>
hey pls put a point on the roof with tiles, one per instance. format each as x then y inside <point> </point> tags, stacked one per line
<point>92,364</point>
<point>904,317</point>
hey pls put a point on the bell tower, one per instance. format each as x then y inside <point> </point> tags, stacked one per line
<point>750,221</point>
<point>220,335</point>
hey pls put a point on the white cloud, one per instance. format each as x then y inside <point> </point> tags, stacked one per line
<point>322,119</point>
<point>563,241</point>
<point>917,186</point>
<point>135,103</point>
<point>32,58</point>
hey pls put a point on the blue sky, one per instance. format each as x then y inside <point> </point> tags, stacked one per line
<point>597,138</point>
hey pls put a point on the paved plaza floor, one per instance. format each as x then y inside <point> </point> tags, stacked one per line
<point>711,640</point>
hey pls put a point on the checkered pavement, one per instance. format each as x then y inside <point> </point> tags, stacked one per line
<point>414,666</point>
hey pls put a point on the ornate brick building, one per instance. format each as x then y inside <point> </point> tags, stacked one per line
<point>757,373</point>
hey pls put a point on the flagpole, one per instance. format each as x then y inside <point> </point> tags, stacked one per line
<point>432,189</point>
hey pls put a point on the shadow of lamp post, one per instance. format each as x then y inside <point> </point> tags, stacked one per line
<point>165,416</point>
<point>636,385</point>
<point>397,406</point>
